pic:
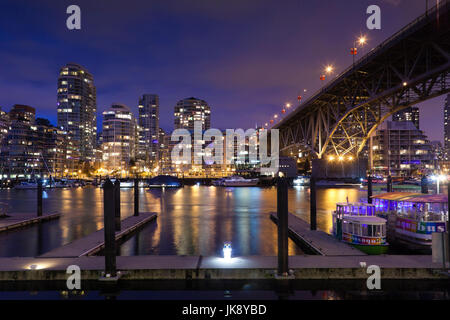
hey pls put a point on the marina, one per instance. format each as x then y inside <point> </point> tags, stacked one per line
<point>94,242</point>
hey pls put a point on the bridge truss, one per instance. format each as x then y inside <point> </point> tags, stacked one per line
<point>410,67</point>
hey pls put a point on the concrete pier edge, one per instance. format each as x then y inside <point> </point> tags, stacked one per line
<point>209,268</point>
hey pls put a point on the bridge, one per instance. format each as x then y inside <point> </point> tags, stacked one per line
<point>410,67</point>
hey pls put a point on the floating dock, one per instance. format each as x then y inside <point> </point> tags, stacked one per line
<point>18,220</point>
<point>316,241</point>
<point>94,242</point>
<point>305,267</point>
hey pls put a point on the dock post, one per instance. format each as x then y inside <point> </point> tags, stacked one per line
<point>424,185</point>
<point>117,205</point>
<point>39,198</point>
<point>136,197</point>
<point>110,239</point>
<point>369,189</point>
<point>312,205</point>
<point>282,213</point>
<point>389,184</point>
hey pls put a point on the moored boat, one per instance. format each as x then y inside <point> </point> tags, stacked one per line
<point>356,224</point>
<point>24,185</point>
<point>238,181</point>
<point>301,181</point>
<point>414,216</point>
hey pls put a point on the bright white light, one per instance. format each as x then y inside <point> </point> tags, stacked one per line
<point>227,251</point>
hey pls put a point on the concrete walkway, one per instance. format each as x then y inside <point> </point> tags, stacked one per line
<point>247,267</point>
<point>317,241</point>
<point>18,220</point>
<point>94,242</point>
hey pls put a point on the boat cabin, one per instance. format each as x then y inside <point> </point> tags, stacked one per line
<point>355,209</point>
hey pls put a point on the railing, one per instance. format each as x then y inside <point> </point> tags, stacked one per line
<point>424,17</point>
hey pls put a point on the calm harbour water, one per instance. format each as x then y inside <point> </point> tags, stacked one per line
<point>192,220</point>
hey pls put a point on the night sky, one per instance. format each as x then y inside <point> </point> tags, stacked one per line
<point>246,58</point>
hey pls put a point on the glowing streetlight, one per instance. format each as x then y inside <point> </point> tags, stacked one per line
<point>329,69</point>
<point>362,40</point>
<point>438,178</point>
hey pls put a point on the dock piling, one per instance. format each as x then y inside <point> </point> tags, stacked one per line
<point>136,197</point>
<point>39,198</point>
<point>389,184</point>
<point>109,226</point>
<point>424,185</point>
<point>369,189</point>
<point>313,205</point>
<point>117,204</point>
<point>282,212</point>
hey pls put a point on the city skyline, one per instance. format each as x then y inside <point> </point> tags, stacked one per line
<point>236,73</point>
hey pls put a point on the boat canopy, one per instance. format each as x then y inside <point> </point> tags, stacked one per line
<point>355,208</point>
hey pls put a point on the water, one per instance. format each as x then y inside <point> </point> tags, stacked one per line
<point>192,220</point>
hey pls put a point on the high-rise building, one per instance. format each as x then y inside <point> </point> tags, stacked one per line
<point>149,127</point>
<point>4,126</point>
<point>400,149</point>
<point>119,138</point>
<point>447,127</point>
<point>192,109</point>
<point>408,114</point>
<point>77,108</point>
<point>33,147</point>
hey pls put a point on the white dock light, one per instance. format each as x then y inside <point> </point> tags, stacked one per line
<point>227,251</point>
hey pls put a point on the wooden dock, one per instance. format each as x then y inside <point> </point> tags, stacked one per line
<point>18,220</point>
<point>317,241</point>
<point>94,242</point>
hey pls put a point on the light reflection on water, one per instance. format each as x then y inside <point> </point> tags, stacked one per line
<point>194,219</point>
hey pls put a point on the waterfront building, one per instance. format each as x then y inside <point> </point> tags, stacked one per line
<point>4,126</point>
<point>408,114</point>
<point>164,157</point>
<point>119,140</point>
<point>33,147</point>
<point>192,109</point>
<point>447,127</point>
<point>149,129</point>
<point>400,149</point>
<point>77,108</point>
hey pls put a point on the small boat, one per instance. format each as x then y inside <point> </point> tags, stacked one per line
<point>413,216</point>
<point>237,181</point>
<point>358,225</point>
<point>164,181</point>
<point>26,185</point>
<point>218,182</point>
<point>301,181</point>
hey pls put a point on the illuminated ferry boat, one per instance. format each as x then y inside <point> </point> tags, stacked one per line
<point>358,225</point>
<point>413,216</point>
